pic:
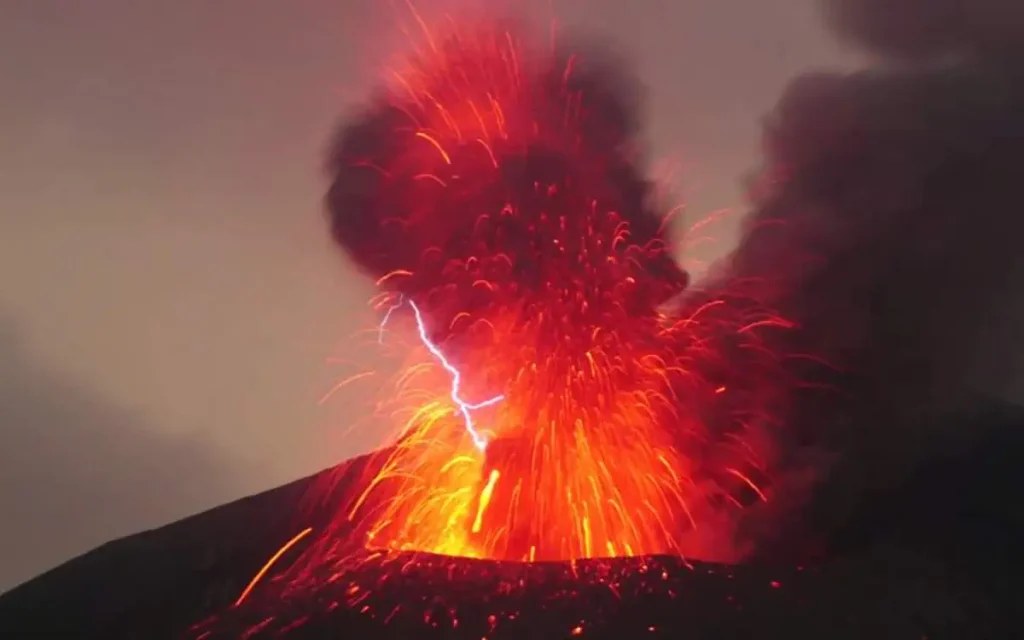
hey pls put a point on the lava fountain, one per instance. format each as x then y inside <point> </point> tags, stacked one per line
<point>570,405</point>
<point>564,400</point>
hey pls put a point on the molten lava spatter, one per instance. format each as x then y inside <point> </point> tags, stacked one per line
<point>496,191</point>
<point>498,183</point>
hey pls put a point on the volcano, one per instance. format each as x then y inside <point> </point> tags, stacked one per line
<point>497,195</point>
<point>934,557</point>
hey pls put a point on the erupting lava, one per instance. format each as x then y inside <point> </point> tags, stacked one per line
<point>495,191</point>
<point>565,396</point>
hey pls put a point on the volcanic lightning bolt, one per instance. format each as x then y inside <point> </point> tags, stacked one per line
<point>466,409</point>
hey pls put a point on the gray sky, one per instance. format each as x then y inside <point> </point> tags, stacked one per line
<point>168,294</point>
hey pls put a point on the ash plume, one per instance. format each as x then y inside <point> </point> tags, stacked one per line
<point>499,185</point>
<point>921,29</point>
<point>888,215</point>
<point>536,118</point>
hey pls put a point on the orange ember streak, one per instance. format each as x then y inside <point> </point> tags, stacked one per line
<point>490,152</point>
<point>274,558</point>
<point>430,176</point>
<point>398,273</point>
<point>437,145</point>
<point>344,383</point>
<point>749,483</point>
<point>485,499</point>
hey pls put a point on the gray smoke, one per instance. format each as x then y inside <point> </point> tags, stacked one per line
<point>888,214</point>
<point>922,29</point>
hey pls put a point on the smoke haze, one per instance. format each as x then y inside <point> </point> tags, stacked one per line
<point>889,208</point>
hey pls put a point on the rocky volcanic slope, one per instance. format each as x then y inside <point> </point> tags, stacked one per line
<point>934,558</point>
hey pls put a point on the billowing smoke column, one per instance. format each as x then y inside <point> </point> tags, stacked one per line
<point>498,187</point>
<point>493,161</point>
<point>889,216</point>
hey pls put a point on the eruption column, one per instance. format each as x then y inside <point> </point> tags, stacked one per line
<point>503,181</point>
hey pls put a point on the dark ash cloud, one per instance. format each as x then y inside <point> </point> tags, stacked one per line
<point>889,211</point>
<point>570,120</point>
<point>917,29</point>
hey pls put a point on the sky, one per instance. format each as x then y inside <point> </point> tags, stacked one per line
<point>169,297</point>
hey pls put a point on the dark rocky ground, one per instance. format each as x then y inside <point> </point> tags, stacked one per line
<point>934,557</point>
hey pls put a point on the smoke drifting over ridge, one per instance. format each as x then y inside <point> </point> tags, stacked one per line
<point>889,209</point>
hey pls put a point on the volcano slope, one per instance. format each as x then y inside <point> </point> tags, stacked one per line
<point>933,557</point>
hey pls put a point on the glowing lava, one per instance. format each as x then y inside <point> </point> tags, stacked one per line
<point>498,183</point>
